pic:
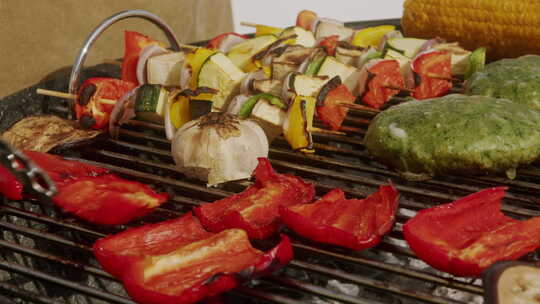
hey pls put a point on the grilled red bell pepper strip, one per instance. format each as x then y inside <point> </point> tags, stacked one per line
<point>384,81</point>
<point>432,72</point>
<point>59,170</point>
<point>133,44</point>
<point>10,187</point>
<point>329,44</point>
<point>466,236</point>
<point>117,252</point>
<point>256,209</point>
<point>202,269</point>
<point>331,112</point>
<point>353,223</point>
<point>107,199</point>
<point>92,105</point>
<point>91,193</point>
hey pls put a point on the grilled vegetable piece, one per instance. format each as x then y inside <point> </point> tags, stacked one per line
<point>409,47</point>
<point>347,53</point>
<point>303,37</point>
<point>90,108</point>
<point>116,252</point>
<point>514,79</point>
<point>165,69</point>
<point>247,107</point>
<point>218,72</point>
<point>225,41</point>
<point>44,133</point>
<point>134,43</point>
<point>202,269</point>
<point>10,187</point>
<point>150,102</point>
<point>270,117</point>
<point>329,44</point>
<point>497,24</point>
<point>383,81</point>
<point>177,113</point>
<point>331,112</point>
<point>242,53</point>
<point>349,75</point>
<point>477,62</point>
<point>352,223</point>
<point>62,171</point>
<point>371,36</point>
<point>466,236</point>
<point>107,199</point>
<point>509,282</point>
<point>432,73</point>
<point>429,137</point>
<point>297,125</point>
<point>89,192</point>
<point>323,28</point>
<point>256,209</point>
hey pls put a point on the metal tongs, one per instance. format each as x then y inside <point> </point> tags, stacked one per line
<point>36,182</point>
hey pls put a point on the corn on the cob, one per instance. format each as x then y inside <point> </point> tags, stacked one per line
<point>507,28</point>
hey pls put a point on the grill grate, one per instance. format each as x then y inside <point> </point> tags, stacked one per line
<point>46,257</point>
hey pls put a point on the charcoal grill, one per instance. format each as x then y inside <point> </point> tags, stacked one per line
<point>46,257</point>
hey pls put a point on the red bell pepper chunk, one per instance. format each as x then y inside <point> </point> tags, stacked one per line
<point>134,44</point>
<point>352,223</point>
<point>10,187</point>
<point>117,252</point>
<point>62,171</point>
<point>216,41</point>
<point>107,199</point>
<point>90,108</point>
<point>383,77</point>
<point>329,44</point>
<point>256,209</point>
<point>466,236</point>
<point>201,269</point>
<point>332,113</point>
<point>89,192</point>
<point>433,73</point>
<point>59,170</point>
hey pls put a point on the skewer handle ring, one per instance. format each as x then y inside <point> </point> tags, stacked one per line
<point>83,52</point>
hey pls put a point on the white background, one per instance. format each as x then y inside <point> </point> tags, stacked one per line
<point>282,13</point>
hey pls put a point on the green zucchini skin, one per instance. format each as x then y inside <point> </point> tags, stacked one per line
<point>517,79</point>
<point>455,134</point>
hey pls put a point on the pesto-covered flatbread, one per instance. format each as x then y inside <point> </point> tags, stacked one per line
<point>455,134</point>
<point>517,79</point>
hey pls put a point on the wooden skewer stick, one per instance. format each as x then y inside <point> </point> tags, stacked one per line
<point>399,88</point>
<point>69,96</point>
<point>250,24</point>
<point>323,131</point>
<point>188,46</point>
<point>358,107</point>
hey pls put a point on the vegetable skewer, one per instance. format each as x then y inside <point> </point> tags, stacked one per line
<point>69,96</point>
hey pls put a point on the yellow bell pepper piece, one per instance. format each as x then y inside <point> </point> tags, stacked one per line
<point>371,36</point>
<point>266,30</point>
<point>299,122</point>
<point>180,112</point>
<point>195,60</point>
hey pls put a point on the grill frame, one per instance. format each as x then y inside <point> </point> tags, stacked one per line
<point>37,238</point>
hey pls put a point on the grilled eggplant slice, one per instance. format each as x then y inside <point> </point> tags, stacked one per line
<point>49,133</point>
<point>512,282</point>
